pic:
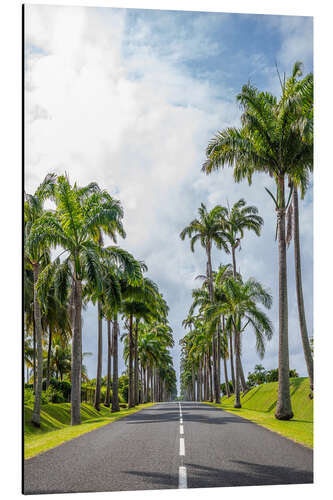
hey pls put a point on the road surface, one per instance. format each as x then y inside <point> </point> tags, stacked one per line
<point>170,445</point>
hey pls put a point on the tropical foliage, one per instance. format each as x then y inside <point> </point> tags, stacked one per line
<point>275,138</point>
<point>67,266</point>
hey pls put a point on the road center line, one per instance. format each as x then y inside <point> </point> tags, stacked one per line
<point>182,483</point>
<point>182,447</point>
<point>182,480</point>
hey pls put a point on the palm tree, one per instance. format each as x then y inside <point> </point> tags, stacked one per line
<point>208,229</point>
<point>127,276</point>
<point>55,319</point>
<point>238,219</point>
<point>302,93</point>
<point>111,227</point>
<point>240,302</point>
<point>73,226</point>
<point>140,302</point>
<point>60,359</point>
<point>269,141</point>
<point>37,255</point>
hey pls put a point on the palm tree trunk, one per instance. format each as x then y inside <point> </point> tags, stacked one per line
<point>34,358</point>
<point>299,291</point>
<point>242,377</point>
<point>216,372</point>
<point>147,384</point>
<point>211,296</point>
<point>234,271</point>
<point>210,380</point>
<point>193,383</point>
<point>226,380</point>
<point>199,382</point>
<point>108,382</point>
<point>136,364</point>
<point>218,348</point>
<point>130,363</point>
<point>35,419</point>
<point>231,356</point>
<point>144,386</point>
<point>115,398</point>
<point>97,401</point>
<point>48,359</point>
<point>283,406</point>
<point>76,355</point>
<point>204,379</point>
<point>237,380</point>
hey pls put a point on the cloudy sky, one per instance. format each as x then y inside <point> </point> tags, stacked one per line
<point>130,99</point>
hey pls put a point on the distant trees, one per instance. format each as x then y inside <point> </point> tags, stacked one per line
<point>261,376</point>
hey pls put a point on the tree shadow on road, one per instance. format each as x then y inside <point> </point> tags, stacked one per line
<point>245,474</point>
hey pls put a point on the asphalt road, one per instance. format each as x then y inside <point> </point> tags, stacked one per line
<point>170,445</point>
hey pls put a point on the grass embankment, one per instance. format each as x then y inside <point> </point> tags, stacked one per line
<point>259,406</point>
<point>55,426</point>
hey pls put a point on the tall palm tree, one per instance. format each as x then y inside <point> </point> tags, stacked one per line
<point>240,302</point>
<point>139,302</point>
<point>37,255</point>
<point>111,227</point>
<point>73,226</point>
<point>126,280</point>
<point>302,92</point>
<point>269,141</point>
<point>238,219</point>
<point>208,229</point>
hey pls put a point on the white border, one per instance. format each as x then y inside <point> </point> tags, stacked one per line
<point>10,186</point>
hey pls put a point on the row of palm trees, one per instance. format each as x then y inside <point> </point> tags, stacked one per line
<point>224,306</point>
<point>84,269</point>
<point>275,138</point>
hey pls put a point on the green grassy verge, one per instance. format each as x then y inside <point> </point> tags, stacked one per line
<point>259,405</point>
<point>55,426</point>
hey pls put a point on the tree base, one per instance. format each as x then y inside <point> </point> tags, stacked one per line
<point>237,405</point>
<point>283,416</point>
<point>35,424</point>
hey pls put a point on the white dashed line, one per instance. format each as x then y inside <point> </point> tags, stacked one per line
<point>182,478</point>
<point>182,447</point>
<point>182,483</point>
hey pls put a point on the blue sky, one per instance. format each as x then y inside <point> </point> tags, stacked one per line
<point>130,99</point>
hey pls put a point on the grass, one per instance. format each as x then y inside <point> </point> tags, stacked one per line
<point>259,405</point>
<point>55,426</point>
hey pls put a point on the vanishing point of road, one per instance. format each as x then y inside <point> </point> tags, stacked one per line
<point>170,445</point>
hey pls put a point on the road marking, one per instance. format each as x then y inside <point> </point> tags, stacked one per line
<point>182,482</point>
<point>182,447</point>
<point>182,478</point>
